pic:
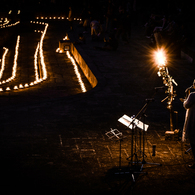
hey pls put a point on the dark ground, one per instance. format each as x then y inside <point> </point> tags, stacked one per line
<point>53,137</point>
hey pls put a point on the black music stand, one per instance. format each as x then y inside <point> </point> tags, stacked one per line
<point>127,121</point>
<point>132,123</point>
<point>116,135</point>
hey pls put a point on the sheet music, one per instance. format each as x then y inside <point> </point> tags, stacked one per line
<point>126,120</point>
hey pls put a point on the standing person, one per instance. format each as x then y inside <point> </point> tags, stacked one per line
<point>189,124</point>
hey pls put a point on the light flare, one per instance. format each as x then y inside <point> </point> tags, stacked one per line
<point>160,57</point>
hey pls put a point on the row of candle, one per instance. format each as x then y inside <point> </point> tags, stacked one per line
<point>75,67</point>
<point>5,25</point>
<point>55,18</point>
<point>4,22</point>
<point>76,71</point>
<point>38,77</point>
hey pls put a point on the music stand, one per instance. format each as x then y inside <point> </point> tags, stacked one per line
<point>127,121</point>
<point>116,135</point>
<point>132,123</point>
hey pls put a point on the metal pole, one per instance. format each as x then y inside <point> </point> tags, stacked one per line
<point>171,109</point>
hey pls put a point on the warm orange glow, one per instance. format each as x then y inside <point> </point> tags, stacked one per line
<point>3,62</point>
<point>65,38</point>
<point>39,50</point>
<point>160,57</point>
<point>21,86</point>
<point>76,72</point>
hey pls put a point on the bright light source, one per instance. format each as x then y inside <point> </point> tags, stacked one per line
<point>39,50</point>
<point>76,72</point>
<point>21,86</point>
<point>160,57</point>
<point>3,62</point>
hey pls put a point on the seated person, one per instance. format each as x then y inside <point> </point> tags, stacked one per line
<point>95,29</point>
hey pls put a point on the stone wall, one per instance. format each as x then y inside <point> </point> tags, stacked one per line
<point>83,65</point>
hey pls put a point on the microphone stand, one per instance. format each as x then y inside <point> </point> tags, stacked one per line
<point>143,110</point>
<point>132,140</point>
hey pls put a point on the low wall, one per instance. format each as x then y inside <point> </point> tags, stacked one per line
<point>84,67</point>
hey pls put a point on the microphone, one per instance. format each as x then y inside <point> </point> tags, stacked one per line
<point>156,88</point>
<point>149,100</point>
<point>153,150</point>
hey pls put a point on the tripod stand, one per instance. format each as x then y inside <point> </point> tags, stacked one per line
<point>143,110</point>
<point>133,164</point>
<point>127,121</point>
<point>116,135</point>
<point>132,123</point>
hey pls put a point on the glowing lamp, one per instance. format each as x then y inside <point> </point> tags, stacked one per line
<point>21,86</point>
<point>16,87</point>
<point>65,38</point>
<point>160,57</point>
<point>26,85</point>
<point>65,45</point>
<point>7,89</point>
<point>1,89</point>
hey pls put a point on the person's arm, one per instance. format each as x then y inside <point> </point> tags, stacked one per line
<point>190,101</point>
